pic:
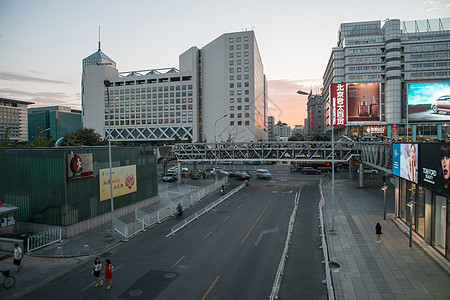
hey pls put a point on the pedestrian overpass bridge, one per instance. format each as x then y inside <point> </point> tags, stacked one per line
<point>375,154</point>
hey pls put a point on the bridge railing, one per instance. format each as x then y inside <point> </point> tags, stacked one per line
<point>267,151</point>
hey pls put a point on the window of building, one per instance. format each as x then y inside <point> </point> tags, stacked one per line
<point>247,123</point>
<point>231,62</point>
<point>238,39</point>
<point>231,93</point>
<point>231,77</point>
<point>231,116</point>
<point>231,108</point>
<point>231,85</point>
<point>231,123</point>
<point>239,123</point>
<point>245,38</point>
<point>247,107</point>
<point>231,40</point>
<point>246,53</point>
<point>231,100</point>
<point>231,55</point>
<point>231,70</point>
<point>231,48</point>
<point>238,47</point>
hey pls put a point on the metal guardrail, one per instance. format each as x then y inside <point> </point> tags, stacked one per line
<point>144,220</point>
<point>204,210</point>
<point>278,276</point>
<point>42,239</point>
<point>326,260</point>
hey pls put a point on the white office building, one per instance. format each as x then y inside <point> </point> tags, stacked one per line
<point>225,77</point>
<point>391,55</point>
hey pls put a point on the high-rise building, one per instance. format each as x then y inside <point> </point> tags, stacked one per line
<point>282,131</point>
<point>380,62</point>
<point>14,119</point>
<point>225,77</point>
<point>270,128</point>
<point>316,115</point>
<point>52,121</point>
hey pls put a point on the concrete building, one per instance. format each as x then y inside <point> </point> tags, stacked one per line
<point>380,61</point>
<point>298,130</point>
<point>282,131</point>
<point>270,128</point>
<point>224,77</point>
<point>53,121</point>
<point>14,119</point>
<point>316,110</point>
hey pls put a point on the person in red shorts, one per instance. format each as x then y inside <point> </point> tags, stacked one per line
<point>108,273</point>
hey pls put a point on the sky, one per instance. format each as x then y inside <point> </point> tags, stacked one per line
<point>42,43</point>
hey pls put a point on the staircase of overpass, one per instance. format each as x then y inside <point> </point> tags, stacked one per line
<point>376,154</point>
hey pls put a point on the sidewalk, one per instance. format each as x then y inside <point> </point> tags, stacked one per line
<point>45,265</point>
<point>368,270</point>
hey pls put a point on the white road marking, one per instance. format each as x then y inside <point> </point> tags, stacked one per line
<point>273,230</point>
<point>178,261</point>
<point>206,236</point>
<point>239,206</point>
<point>226,218</point>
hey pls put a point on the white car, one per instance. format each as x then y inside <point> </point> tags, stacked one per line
<point>263,174</point>
<point>369,171</point>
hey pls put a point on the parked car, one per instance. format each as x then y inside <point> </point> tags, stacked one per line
<point>369,171</point>
<point>256,162</point>
<point>243,176</point>
<point>441,104</point>
<point>169,177</point>
<point>310,170</point>
<point>263,174</point>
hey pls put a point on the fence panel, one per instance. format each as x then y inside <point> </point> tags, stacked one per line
<point>42,239</point>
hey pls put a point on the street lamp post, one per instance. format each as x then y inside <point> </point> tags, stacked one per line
<point>384,188</point>
<point>107,84</point>
<point>332,153</point>
<point>410,204</point>
<point>215,144</point>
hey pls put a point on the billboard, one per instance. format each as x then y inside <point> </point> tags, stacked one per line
<point>338,92</point>
<point>123,180</point>
<point>79,166</point>
<point>405,161</point>
<point>363,102</point>
<point>429,102</point>
<point>434,170</point>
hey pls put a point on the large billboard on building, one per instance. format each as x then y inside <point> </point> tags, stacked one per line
<point>123,180</point>
<point>363,102</point>
<point>79,166</point>
<point>434,172</point>
<point>405,161</point>
<point>429,102</point>
<point>338,95</point>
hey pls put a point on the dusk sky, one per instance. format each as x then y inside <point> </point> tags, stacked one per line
<point>42,43</point>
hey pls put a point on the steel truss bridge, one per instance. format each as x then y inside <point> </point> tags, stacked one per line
<point>376,154</point>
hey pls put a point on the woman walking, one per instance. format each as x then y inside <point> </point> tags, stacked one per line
<point>96,269</point>
<point>108,273</point>
<point>378,232</point>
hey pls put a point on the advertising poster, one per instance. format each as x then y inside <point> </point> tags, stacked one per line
<point>429,102</point>
<point>339,103</point>
<point>435,167</point>
<point>396,153</point>
<point>363,102</point>
<point>79,166</point>
<point>409,162</point>
<point>124,182</point>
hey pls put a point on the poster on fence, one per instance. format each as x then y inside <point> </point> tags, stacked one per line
<point>124,182</point>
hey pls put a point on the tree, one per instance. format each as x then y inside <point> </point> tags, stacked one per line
<point>43,141</point>
<point>4,140</point>
<point>83,137</point>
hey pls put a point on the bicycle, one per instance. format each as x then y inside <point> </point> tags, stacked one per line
<point>7,280</point>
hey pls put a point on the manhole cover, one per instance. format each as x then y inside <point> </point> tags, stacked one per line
<point>170,275</point>
<point>274,192</point>
<point>135,293</point>
<point>334,265</point>
<point>108,236</point>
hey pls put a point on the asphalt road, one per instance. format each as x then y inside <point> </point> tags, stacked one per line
<point>232,252</point>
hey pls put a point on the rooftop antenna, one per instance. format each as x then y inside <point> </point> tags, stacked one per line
<point>99,38</point>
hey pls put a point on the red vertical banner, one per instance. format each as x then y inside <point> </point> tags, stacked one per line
<point>338,95</point>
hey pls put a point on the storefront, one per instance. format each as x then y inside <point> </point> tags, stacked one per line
<point>424,191</point>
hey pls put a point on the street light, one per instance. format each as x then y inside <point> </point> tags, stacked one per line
<point>384,188</point>
<point>107,84</point>
<point>332,153</point>
<point>410,204</point>
<point>215,144</point>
